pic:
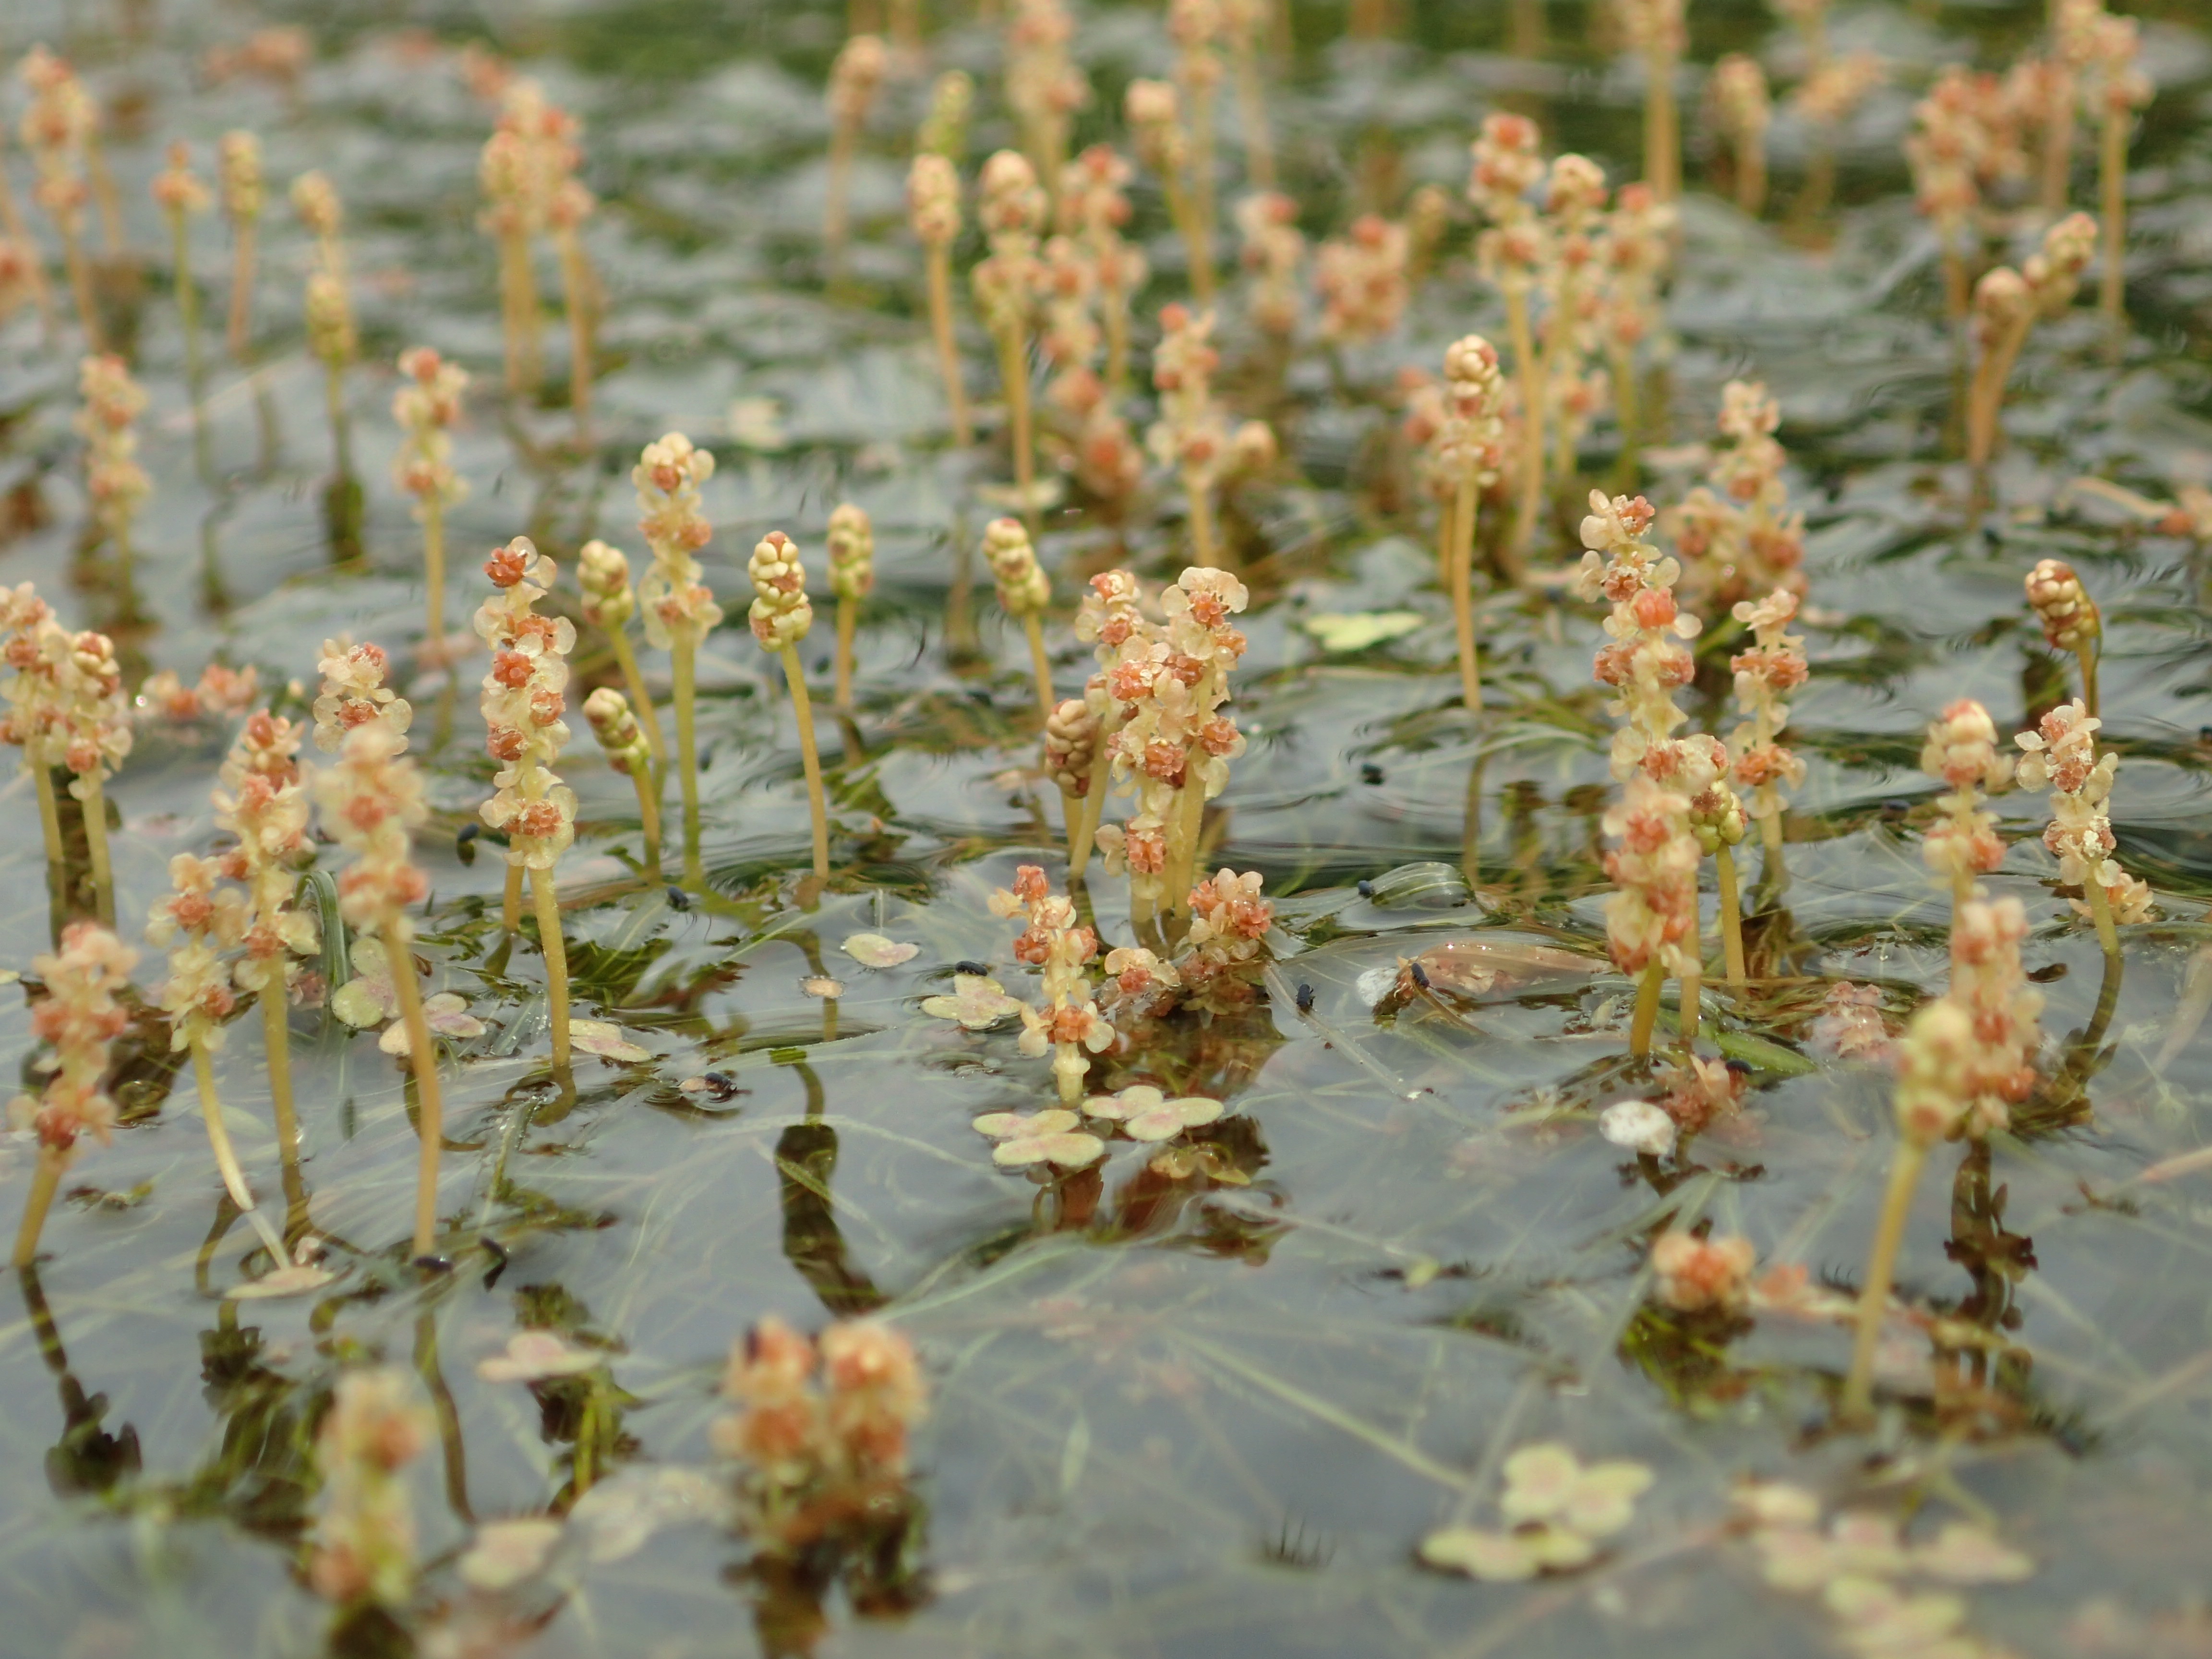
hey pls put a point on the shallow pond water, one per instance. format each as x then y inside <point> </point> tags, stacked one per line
<point>1213,1414</point>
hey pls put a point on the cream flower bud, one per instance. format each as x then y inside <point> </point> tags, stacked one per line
<point>2062,605</point>
<point>1932,1085</point>
<point>603,576</point>
<point>932,199</point>
<point>852,542</point>
<point>331,333</point>
<point>1022,589</point>
<point>316,201</point>
<point>239,166</point>
<point>618,732</point>
<point>781,613</point>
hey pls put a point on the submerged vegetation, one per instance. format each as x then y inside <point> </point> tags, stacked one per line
<point>1591,650</point>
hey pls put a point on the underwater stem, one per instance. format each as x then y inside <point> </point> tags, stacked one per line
<point>1461,516</point>
<point>45,1180</point>
<point>811,759</point>
<point>95,841</point>
<point>422,1057</point>
<point>1014,373</point>
<point>1874,1295</point>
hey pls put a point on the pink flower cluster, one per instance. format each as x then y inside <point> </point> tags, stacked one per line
<point>1774,666</point>
<point>677,604</point>
<point>78,1017</point>
<point>1988,983</point>
<point>370,802</point>
<point>364,1540</point>
<point>263,802</point>
<point>1274,252</point>
<point>198,924</point>
<point>1192,434</point>
<point>425,406</point>
<point>2062,753</point>
<point>1362,279</point>
<point>1736,533</point>
<point>1961,751</point>
<point>1068,1022</point>
<point>1010,208</point>
<point>1645,657</point>
<point>813,1416</point>
<point>113,479</point>
<point>525,695</point>
<point>354,694</point>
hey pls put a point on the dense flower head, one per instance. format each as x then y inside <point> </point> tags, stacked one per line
<point>2062,754</point>
<point>932,199</point>
<point>602,579</point>
<point>943,130</point>
<point>1274,250</point>
<point>1070,740</point>
<point>237,168</point>
<point>523,697</point>
<point>364,1540</point>
<point>1652,914</point>
<point>1645,658</point>
<point>856,74</point>
<point>1935,1084</point>
<point>353,693</point>
<point>618,732</point>
<point>95,711</point>
<point>1154,114</point>
<point>1022,589</point>
<point>118,486</point>
<point>1067,1021</point>
<point>1462,427</point>
<point>1827,96</point>
<point>331,333</point>
<point>262,801</point>
<point>676,603</point>
<point>1987,982</point>
<point>1508,164</point>
<point>781,613</point>
<point>1043,86</point>
<point>852,543</point>
<point>1362,277</point>
<point>425,406</point>
<point>78,1017</point>
<point>2068,615</point>
<point>812,1415</point>
<point>1773,667</point>
<point>176,190</point>
<point>1692,1275</point>
<point>1191,433</point>
<point>1961,751</point>
<point>1738,90</point>
<point>372,801</point>
<point>315,199</point>
<point>197,923</point>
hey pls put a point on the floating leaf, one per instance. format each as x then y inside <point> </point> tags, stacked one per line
<point>978,1002</point>
<point>1049,1137</point>
<point>597,1036</point>
<point>300,1278</point>
<point>506,1553</point>
<point>445,1014</point>
<point>1360,630</point>
<point>534,1355</point>
<point>821,985</point>
<point>874,951</point>
<point>369,998</point>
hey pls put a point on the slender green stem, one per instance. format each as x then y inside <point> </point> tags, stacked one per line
<point>550,941</point>
<point>422,1057</point>
<point>276,1044</point>
<point>811,759</point>
<point>1461,580</point>
<point>948,350</point>
<point>434,572</point>
<point>848,617</point>
<point>648,815</point>
<point>1882,1267</point>
<point>2089,651</point>
<point>1014,374</point>
<point>2100,912</point>
<point>242,289</point>
<point>510,900</point>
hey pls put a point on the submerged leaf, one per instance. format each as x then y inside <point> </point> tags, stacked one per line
<point>597,1037</point>
<point>874,951</point>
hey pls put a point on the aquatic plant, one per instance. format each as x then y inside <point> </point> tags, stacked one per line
<point>1465,457</point>
<point>36,651</point>
<point>1274,251</point>
<point>1153,111</point>
<point>179,195</point>
<point>96,736</point>
<point>1558,1510</point>
<point>1092,209</point>
<point>1736,533</point>
<point>1010,208</point>
<point>199,924</point>
<point>1744,111</point>
<point>1191,435</point>
<point>2069,619</point>
<point>362,1553</point>
<point>608,604</point>
<point>679,608</point>
<point>2062,753</point>
<point>1656,28</point>
<point>781,616</point>
<point>524,697</point>
<point>238,170</point>
<point>932,203</point>
<point>2118,89</point>
<point>1692,1274</point>
<point>262,801</point>
<point>2008,303</point>
<point>370,802</point>
<point>855,75</point>
<point>1773,667</point>
<point>1044,86</point>
<point>1195,28</point>
<point>58,131</point>
<point>114,480</point>
<point>1242,22</point>
<point>426,407</point>
<point>25,263</point>
<point>1067,1022</point>
<point>354,694</point>
<point>1961,751</point>
<point>79,1017</point>
<point>852,543</point>
<point>628,753</point>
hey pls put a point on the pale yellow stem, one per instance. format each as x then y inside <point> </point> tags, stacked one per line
<point>2100,912</point>
<point>556,949</point>
<point>422,1057</point>
<point>1693,983</point>
<point>834,216</point>
<point>2057,140</point>
<point>1527,375</point>
<point>510,904</point>
<point>1204,552</point>
<point>434,570</point>
<point>576,299</point>
<point>1252,110</point>
<point>948,352</point>
<point>45,1181</point>
<point>1647,1011</point>
<point>2113,189</point>
<point>241,287</point>
<point>1731,915</point>
<point>1882,1267</point>
<point>277,1044</point>
<point>104,197</point>
<point>848,617</point>
<point>1014,373</point>
<point>810,759</point>
<point>1204,210</point>
<point>641,701</point>
<point>80,275</point>
<point>1461,518</point>
<point>687,757</point>
<point>34,262</point>
<point>648,814</point>
<point>1662,158</point>
<point>50,819</point>
<point>95,841</point>
<point>1094,800</point>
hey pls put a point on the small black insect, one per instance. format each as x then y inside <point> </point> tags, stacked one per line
<point>465,844</point>
<point>1741,1068</point>
<point>965,966</point>
<point>433,1264</point>
<point>1370,773</point>
<point>1420,975</point>
<point>1305,998</point>
<point>720,1085</point>
<point>1366,889</point>
<point>677,898</point>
